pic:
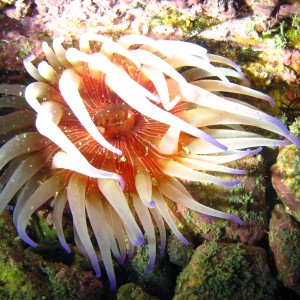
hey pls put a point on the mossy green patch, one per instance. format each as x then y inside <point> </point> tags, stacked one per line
<point>295,127</point>
<point>160,281</point>
<point>241,199</point>
<point>17,282</point>
<point>293,32</point>
<point>3,3</point>
<point>289,161</point>
<point>25,49</point>
<point>43,231</point>
<point>171,17</point>
<point>291,244</point>
<point>131,291</point>
<point>14,283</point>
<point>248,55</point>
<point>225,271</point>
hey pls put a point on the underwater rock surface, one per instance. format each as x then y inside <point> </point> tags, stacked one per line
<point>226,271</point>
<point>286,175</point>
<point>284,236</point>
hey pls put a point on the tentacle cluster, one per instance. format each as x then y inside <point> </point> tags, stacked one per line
<point>114,128</point>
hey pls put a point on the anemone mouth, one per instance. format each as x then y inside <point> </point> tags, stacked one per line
<point>119,125</point>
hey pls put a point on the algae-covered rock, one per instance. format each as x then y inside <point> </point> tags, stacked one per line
<point>160,281</point>
<point>3,3</point>
<point>284,237</point>
<point>226,271</point>
<point>245,200</point>
<point>179,253</point>
<point>286,175</point>
<point>28,274</point>
<point>15,282</point>
<point>132,291</point>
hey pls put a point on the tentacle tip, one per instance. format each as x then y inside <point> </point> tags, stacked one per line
<point>97,273</point>
<point>184,240</point>
<point>139,241</point>
<point>256,151</point>
<point>162,250</point>
<point>120,260</point>
<point>9,207</point>
<point>231,183</point>
<point>67,249</point>
<point>270,100</point>
<point>152,204</point>
<point>29,58</point>
<point>44,44</point>
<point>112,285</point>
<point>118,151</point>
<point>233,218</point>
<point>235,182</point>
<point>28,241</point>
<point>223,147</point>
<point>238,220</point>
<point>149,268</point>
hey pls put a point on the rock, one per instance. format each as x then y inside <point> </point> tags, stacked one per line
<point>28,275</point>
<point>286,175</point>
<point>226,271</point>
<point>262,8</point>
<point>132,291</point>
<point>179,253</point>
<point>159,282</point>
<point>284,238</point>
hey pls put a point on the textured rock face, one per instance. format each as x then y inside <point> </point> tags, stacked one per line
<point>284,236</point>
<point>131,291</point>
<point>286,176</point>
<point>226,271</point>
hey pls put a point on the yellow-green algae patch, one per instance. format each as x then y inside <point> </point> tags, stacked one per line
<point>173,18</point>
<point>3,3</point>
<point>284,237</point>
<point>226,271</point>
<point>160,281</point>
<point>132,291</point>
<point>286,175</point>
<point>15,282</point>
<point>33,273</point>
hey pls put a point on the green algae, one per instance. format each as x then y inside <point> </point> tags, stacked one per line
<point>284,240</point>
<point>16,279</point>
<point>291,244</point>
<point>226,271</point>
<point>160,281</point>
<point>25,49</point>
<point>42,231</point>
<point>242,199</point>
<point>293,32</point>
<point>289,162</point>
<point>35,273</point>
<point>178,252</point>
<point>3,3</point>
<point>295,127</point>
<point>131,291</point>
<point>171,17</point>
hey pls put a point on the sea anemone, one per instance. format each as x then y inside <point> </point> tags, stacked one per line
<point>116,128</point>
